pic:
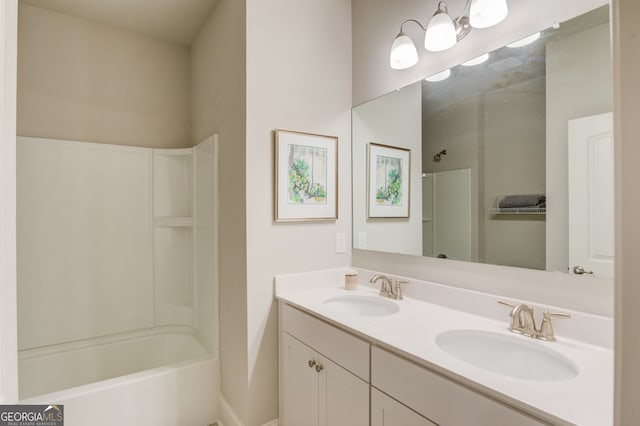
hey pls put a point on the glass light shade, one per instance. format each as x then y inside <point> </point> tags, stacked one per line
<point>487,13</point>
<point>403,53</point>
<point>442,75</point>
<point>476,61</point>
<point>441,33</point>
<point>524,41</point>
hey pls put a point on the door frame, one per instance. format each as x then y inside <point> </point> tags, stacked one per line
<point>8,305</point>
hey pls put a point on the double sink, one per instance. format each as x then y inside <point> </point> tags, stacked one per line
<point>509,355</point>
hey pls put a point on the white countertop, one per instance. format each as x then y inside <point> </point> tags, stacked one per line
<point>586,399</point>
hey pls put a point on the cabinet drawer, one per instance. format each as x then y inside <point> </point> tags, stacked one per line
<point>341,347</point>
<point>437,398</point>
<point>386,411</point>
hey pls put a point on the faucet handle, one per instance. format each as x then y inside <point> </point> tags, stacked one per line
<point>546,328</point>
<point>398,289</point>
<point>513,307</point>
<point>555,314</point>
<point>516,322</point>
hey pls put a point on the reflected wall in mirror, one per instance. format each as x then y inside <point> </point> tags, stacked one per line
<point>511,156</point>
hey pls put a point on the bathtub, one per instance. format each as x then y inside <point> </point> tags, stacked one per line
<point>155,377</point>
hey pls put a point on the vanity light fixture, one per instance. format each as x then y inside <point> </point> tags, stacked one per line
<point>524,41</point>
<point>442,75</point>
<point>403,52</point>
<point>476,61</point>
<point>487,13</point>
<point>443,32</point>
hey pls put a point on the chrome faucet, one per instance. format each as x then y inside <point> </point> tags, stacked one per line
<point>387,288</point>
<point>523,322</point>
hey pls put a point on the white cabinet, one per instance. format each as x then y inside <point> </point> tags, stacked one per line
<point>387,411</point>
<point>300,383</point>
<point>438,398</point>
<point>344,398</point>
<point>316,390</point>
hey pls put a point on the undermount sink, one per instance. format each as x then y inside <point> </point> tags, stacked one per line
<point>507,355</point>
<point>366,306</point>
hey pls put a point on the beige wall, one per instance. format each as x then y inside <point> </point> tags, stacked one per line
<point>626,68</point>
<point>513,163</point>
<point>80,80</point>
<point>394,119</point>
<point>579,84</point>
<point>218,101</point>
<point>298,78</point>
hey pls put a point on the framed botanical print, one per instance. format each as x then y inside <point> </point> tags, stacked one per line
<point>388,181</point>
<point>306,176</point>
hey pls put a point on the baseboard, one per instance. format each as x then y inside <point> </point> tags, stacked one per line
<point>271,423</point>
<point>227,416</point>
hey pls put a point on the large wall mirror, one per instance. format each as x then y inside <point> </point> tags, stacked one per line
<point>510,157</point>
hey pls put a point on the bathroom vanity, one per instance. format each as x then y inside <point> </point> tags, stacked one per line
<point>357,358</point>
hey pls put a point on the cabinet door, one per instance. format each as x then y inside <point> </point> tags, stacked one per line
<point>300,387</point>
<point>386,411</point>
<point>344,398</point>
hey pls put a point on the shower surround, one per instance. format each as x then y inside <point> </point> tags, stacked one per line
<point>117,276</point>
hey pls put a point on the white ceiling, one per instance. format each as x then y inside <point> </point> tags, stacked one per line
<point>176,21</point>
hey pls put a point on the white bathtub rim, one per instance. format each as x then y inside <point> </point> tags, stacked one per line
<point>89,388</point>
<point>93,342</point>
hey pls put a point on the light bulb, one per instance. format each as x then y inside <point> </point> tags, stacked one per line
<point>487,13</point>
<point>476,61</point>
<point>403,53</point>
<point>524,41</point>
<point>441,33</point>
<point>442,75</point>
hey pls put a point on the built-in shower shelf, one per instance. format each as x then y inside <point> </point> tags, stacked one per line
<point>174,315</point>
<point>173,221</point>
<point>520,211</point>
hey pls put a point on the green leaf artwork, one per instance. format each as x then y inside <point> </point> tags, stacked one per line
<point>389,181</point>
<point>307,175</point>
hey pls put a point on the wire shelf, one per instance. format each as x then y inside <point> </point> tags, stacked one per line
<point>518,210</point>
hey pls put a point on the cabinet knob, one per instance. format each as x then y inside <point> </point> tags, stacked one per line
<point>319,368</point>
<point>311,363</point>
